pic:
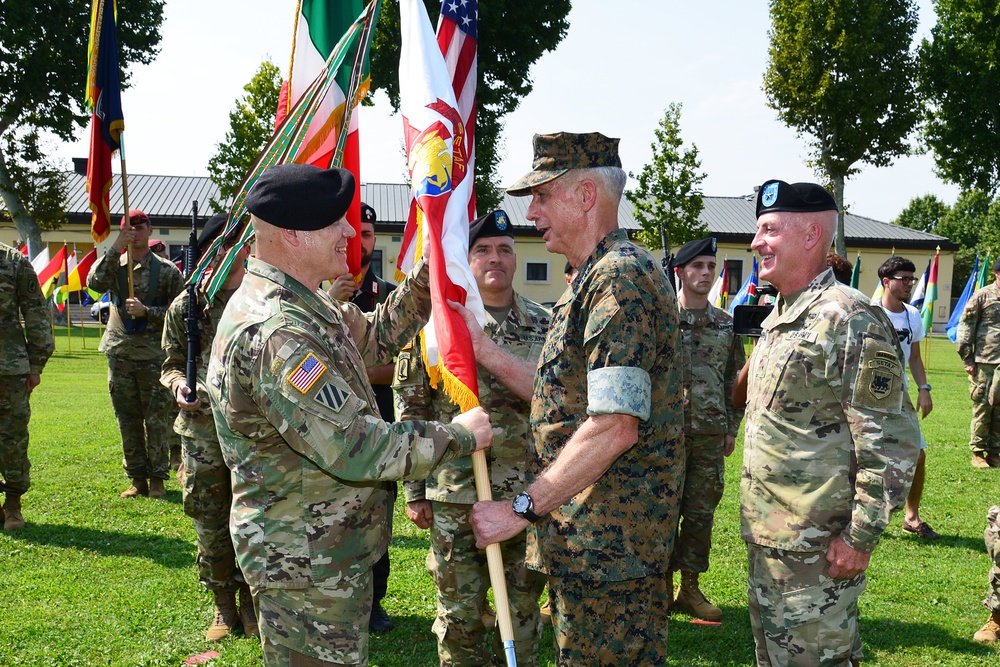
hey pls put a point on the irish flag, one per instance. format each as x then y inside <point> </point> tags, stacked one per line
<point>319,25</point>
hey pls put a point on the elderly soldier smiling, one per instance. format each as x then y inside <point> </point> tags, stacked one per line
<point>297,425</point>
<point>830,443</point>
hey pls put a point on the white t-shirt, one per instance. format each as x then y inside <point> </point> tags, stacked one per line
<point>909,328</point>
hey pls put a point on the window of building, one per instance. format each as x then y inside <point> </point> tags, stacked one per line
<point>734,268</point>
<point>377,262</point>
<point>536,272</point>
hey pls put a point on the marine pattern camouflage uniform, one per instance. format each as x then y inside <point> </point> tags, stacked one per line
<point>144,408</point>
<point>294,412</point>
<point>208,492</point>
<point>611,350</point>
<point>992,537</point>
<point>459,569</point>
<point>830,447</point>
<point>978,342</point>
<point>24,350</point>
<point>713,357</point>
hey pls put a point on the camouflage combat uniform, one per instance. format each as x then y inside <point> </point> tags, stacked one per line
<point>294,412</point>
<point>208,493</point>
<point>25,350</point>
<point>611,350</point>
<point>144,408</point>
<point>712,359</point>
<point>978,342</point>
<point>458,567</point>
<point>992,538</point>
<point>830,447</point>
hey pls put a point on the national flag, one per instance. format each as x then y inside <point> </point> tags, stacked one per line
<point>982,279</point>
<point>77,279</point>
<point>956,314</point>
<point>319,25</point>
<point>856,272</point>
<point>748,290</point>
<point>216,262</point>
<point>457,38</point>
<point>437,160</point>
<point>23,249</point>
<point>41,260</point>
<point>927,309</point>
<point>920,289</point>
<point>60,295</point>
<point>720,288</point>
<point>49,276</point>
<point>104,99</point>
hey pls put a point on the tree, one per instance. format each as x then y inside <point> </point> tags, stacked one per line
<point>959,75</point>
<point>251,124</point>
<point>965,225</point>
<point>43,63</point>
<point>40,185</point>
<point>513,34</point>
<point>923,213</point>
<point>842,73</point>
<point>668,201</point>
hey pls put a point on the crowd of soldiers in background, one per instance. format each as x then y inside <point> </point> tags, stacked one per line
<point>701,360</point>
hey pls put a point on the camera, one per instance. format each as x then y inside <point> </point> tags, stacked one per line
<point>747,319</point>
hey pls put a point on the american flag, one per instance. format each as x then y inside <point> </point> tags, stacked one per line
<point>303,377</point>
<point>458,37</point>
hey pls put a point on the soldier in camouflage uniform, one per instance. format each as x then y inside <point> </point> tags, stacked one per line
<point>831,439</point>
<point>207,490</point>
<point>990,632</point>
<point>144,408</point>
<point>444,501</point>
<point>606,470</point>
<point>978,342</point>
<point>24,350</point>
<point>295,415</point>
<point>712,358</point>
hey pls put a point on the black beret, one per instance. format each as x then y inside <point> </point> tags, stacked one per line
<point>301,196</point>
<point>693,249</point>
<point>368,214</point>
<point>210,231</point>
<point>795,197</point>
<point>996,265</point>
<point>492,224</point>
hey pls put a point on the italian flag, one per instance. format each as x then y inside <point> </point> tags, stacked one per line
<point>319,25</point>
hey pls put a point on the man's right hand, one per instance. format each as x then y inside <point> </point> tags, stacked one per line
<point>477,420</point>
<point>125,238</point>
<point>342,288</point>
<point>476,332</point>
<point>182,402</point>
<point>971,369</point>
<point>420,513</point>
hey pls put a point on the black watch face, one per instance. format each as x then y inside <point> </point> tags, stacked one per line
<point>521,502</point>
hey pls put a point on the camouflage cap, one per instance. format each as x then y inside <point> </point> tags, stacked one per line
<point>555,154</point>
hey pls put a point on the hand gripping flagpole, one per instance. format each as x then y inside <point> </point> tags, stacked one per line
<point>495,562</point>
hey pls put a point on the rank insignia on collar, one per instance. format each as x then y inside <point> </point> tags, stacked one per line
<point>310,370</point>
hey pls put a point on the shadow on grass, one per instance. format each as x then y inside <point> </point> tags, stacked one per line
<point>171,552</point>
<point>411,542</point>
<point>892,635</point>
<point>947,541</point>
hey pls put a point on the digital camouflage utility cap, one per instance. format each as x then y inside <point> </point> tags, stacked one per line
<point>555,154</point>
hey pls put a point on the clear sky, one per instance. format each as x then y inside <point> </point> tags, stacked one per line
<point>616,71</point>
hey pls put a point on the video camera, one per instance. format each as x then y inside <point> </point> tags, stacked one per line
<point>747,319</point>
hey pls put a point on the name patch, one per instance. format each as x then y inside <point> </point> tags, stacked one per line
<point>803,335</point>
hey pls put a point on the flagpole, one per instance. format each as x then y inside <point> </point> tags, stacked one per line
<point>79,302</point>
<point>69,316</point>
<point>128,221</point>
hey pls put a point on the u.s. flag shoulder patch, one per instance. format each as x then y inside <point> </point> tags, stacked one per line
<point>305,376</point>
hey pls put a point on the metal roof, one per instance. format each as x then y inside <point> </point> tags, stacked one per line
<point>168,199</point>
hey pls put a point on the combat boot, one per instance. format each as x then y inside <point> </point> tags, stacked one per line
<point>139,488</point>
<point>991,631</point>
<point>979,460</point>
<point>156,489</point>
<point>993,459</point>
<point>691,599</point>
<point>226,617</point>
<point>12,509</point>
<point>248,615</point>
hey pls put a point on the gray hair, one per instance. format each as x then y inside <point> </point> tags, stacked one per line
<point>609,179</point>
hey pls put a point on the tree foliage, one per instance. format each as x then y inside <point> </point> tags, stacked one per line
<point>959,76</point>
<point>841,72</point>
<point>668,200</point>
<point>923,213</point>
<point>251,124</point>
<point>43,65</point>
<point>38,182</point>
<point>513,34</point>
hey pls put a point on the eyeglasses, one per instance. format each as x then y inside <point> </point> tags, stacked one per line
<point>908,280</point>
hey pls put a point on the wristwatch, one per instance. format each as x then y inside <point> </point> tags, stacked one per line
<point>524,507</point>
<point>925,386</point>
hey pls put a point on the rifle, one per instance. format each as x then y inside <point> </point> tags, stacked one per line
<point>193,332</point>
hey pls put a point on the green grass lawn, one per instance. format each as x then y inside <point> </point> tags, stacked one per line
<point>95,580</point>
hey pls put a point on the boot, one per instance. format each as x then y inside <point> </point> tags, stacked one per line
<point>993,459</point>
<point>379,621</point>
<point>175,457</point>
<point>12,508</point>
<point>139,488</point>
<point>156,488</point>
<point>248,615</point>
<point>991,631</point>
<point>226,617</point>
<point>691,599</point>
